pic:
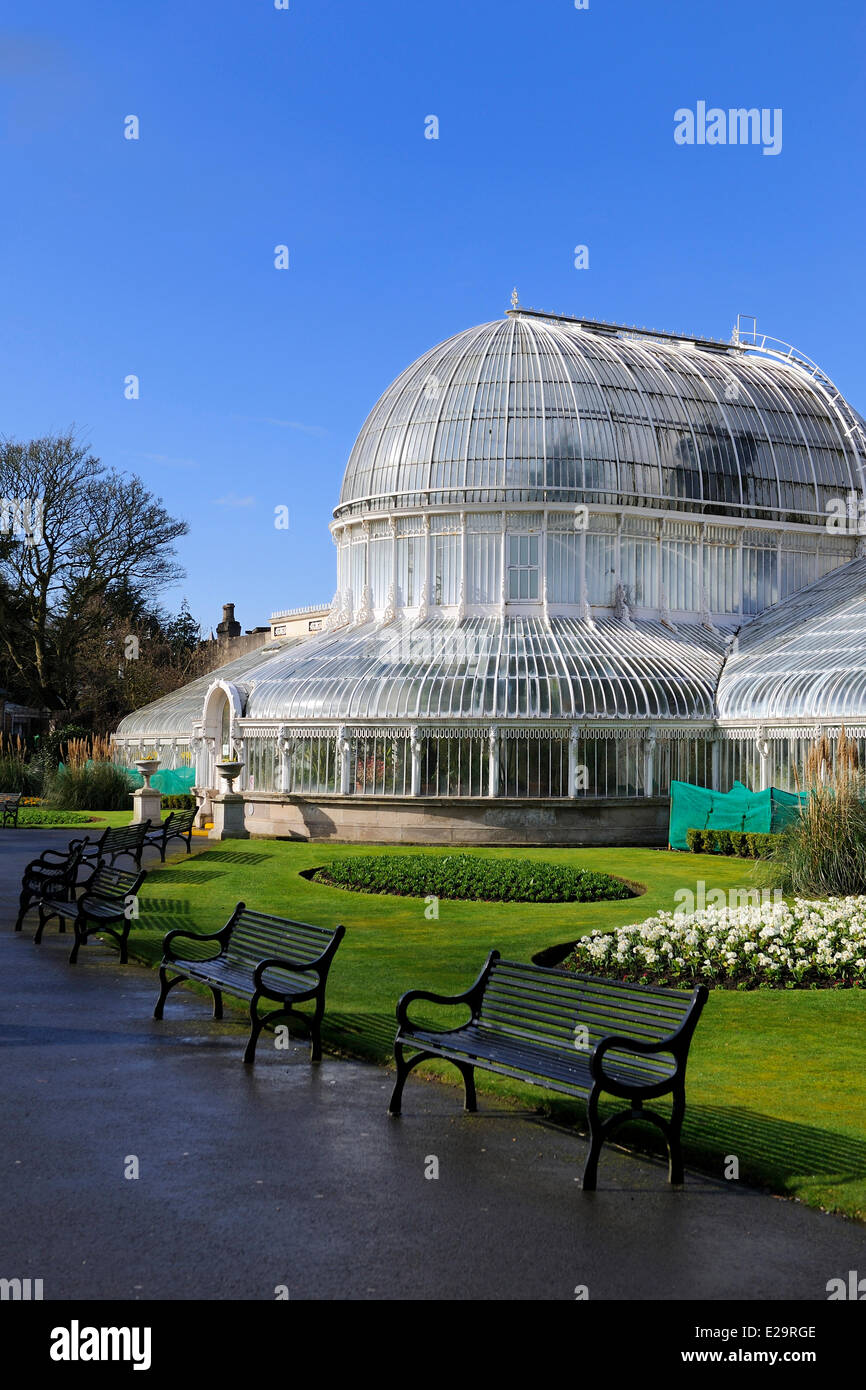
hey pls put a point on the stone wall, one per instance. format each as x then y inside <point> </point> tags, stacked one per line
<point>441,821</point>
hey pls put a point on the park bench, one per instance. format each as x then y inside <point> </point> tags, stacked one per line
<point>256,956</point>
<point>10,803</point>
<point>176,826</point>
<point>117,841</point>
<point>576,1034</point>
<point>53,875</point>
<point>107,903</point>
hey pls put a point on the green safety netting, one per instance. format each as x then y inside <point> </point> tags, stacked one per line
<point>176,781</point>
<point>698,808</point>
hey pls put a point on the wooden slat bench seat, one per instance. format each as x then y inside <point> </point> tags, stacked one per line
<point>117,841</point>
<point>106,903</point>
<point>577,1034</point>
<point>176,826</point>
<point>256,956</point>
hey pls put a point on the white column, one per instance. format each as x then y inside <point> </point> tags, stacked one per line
<point>764,753</point>
<point>717,763</point>
<point>285,745</point>
<point>415,746</point>
<point>573,766</point>
<point>344,753</point>
<point>649,760</point>
<point>493,761</point>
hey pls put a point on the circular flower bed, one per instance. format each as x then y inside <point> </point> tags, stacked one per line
<point>471,877</point>
<point>774,946</point>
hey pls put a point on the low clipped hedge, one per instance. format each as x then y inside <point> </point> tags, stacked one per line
<point>748,844</point>
<point>181,801</point>
<point>470,877</point>
<point>35,817</point>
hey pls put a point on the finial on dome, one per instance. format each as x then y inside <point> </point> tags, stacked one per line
<point>515,298</point>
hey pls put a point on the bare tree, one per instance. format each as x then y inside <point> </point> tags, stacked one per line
<point>92,532</point>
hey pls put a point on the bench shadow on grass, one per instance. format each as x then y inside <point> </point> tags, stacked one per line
<point>788,1155</point>
<point>190,875</point>
<point>232,856</point>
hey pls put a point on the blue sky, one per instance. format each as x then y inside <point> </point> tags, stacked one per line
<point>305,127</point>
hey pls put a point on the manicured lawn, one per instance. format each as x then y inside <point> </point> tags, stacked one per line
<point>775,1078</point>
<point>43,818</point>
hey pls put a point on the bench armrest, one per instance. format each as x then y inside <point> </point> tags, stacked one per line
<point>283,963</point>
<point>471,996</point>
<point>672,1043</point>
<point>168,953</point>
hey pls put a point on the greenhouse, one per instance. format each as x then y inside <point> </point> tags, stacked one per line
<point>575,561</point>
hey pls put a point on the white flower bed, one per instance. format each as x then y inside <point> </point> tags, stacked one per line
<point>772,946</point>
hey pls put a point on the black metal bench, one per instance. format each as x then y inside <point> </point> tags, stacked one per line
<point>176,826</point>
<point>577,1034</point>
<point>10,803</point>
<point>256,956</point>
<point>104,905</point>
<point>117,841</point>
<point>53,875</point>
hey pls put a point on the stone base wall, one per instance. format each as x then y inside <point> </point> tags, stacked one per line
<point>440,821</point>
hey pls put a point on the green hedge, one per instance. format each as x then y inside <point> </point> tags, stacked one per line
<point>184,801</point>
<point>747,844</point>
<point>470,877</point>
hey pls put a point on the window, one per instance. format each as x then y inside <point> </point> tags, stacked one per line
<point>523,567</point>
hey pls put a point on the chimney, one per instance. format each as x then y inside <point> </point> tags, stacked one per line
<point>228,629</point>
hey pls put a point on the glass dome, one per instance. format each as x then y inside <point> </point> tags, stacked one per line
<point>536,408</point>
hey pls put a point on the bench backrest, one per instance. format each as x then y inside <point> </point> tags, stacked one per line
<point>255,936</point>
<point>52,872</point>
<point>113,885</point>
<point>124,837</point>
<point>10,798</point>
<point>565,1011</point>
<point>179,822</point>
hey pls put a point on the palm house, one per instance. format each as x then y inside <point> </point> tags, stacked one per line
<point>575,561</point>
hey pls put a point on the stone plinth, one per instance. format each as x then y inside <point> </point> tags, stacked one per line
<point>146,803</point>
<point>228,817</point>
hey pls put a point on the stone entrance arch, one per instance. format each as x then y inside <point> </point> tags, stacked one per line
<point>220,732</point>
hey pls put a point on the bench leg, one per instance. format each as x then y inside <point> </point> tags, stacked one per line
<point>43,920</point>
<point>24,904</point>
<point>165,984</point>
<point>124,943</point>
<point>676,1174</point>
<point>467,1071</point>
<point>217,1001</point>
<point>256,1026</point>
<point>80,940</point>
<point>596,1139</point>
<point>403,1070</point>
<point>316,1031</point>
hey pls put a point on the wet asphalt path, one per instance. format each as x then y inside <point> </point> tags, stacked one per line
<point>288,1174</point>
